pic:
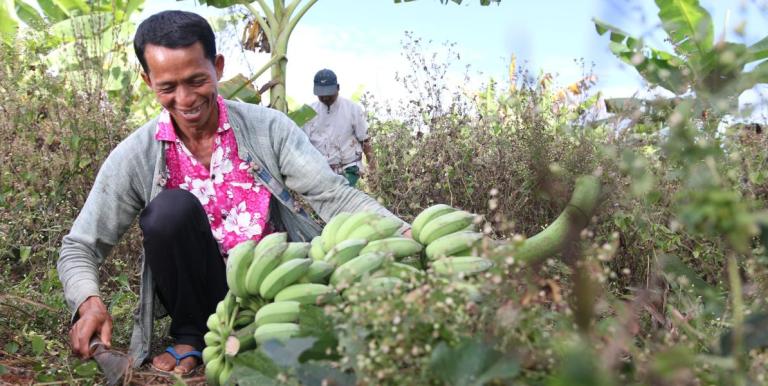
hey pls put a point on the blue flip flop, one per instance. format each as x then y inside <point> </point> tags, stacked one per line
<point>179,358</point>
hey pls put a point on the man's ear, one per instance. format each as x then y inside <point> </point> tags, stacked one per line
<point>146,79</point>
<point>219,64</point>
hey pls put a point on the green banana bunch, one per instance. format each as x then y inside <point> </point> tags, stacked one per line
<point>399,247</point>
<point>344,251</point>
<point>356,268</point>
<point>413,261</point>
<point>295,250</point>
<point>250,302</point>
<point>426,216</point>
<point>267,255</point>
<point>220,325</point>
<point>226,310</point>
<point>226,371</point>
<point>319,272</point>
<point>328,235</point>
<point>376,229</point>
<point>306,293</point>
<point>276,331</point>
<point>243,318</point>
<point>239,259</point>
<point>283,276</point>
<point>214,365</point>
<point>461,266</point>
<point>316,251</point>
<point>354,250</point>
<point>353,222</point>
<point>211,352</point>
<point>445,224</point>
<point>240,341</point>
<point>278,312</point>
<point>453,243</point>
<point>401,271</point>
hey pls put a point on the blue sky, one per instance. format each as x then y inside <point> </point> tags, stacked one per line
<point>361,39</point>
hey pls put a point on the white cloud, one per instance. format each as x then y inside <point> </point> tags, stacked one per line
<point>355,61</point>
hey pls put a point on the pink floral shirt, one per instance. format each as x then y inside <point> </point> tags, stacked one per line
<point>237,205</point>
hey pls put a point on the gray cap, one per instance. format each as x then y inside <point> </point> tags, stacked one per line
<point>325,83</point>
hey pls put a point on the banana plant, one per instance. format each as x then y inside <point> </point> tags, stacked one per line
<point>14,13</point>
<point>69,27</point>
<point>269,31</point>
<point>712,70</point>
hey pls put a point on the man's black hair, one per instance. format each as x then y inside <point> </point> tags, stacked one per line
<point>174,29</point>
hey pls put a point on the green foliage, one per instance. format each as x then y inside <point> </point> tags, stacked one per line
<point>8,21</point>
<point>238,88</point>
<point>714,71</point>
<point>471,363</point>
<point>60,126</point>
<point>302,115</point>
<point>579,368</point>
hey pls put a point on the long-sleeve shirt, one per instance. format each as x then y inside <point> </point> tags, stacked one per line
<point>338,132</point>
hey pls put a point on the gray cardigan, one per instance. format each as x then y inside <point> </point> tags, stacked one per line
<point>133,174</point>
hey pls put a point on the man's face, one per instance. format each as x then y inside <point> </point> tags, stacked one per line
<point>328,99</point>
<point>185,83</point>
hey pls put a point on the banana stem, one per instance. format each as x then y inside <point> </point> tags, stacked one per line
<point>574,217</point>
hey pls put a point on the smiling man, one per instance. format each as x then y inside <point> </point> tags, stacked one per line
<point>203,176</point>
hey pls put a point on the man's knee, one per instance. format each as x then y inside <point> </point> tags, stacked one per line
<point>170,212</point>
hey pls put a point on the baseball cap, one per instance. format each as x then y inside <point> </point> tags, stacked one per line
<point>325,83</point>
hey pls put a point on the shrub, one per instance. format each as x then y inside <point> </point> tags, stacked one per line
<point>58,128</point>
<point>506,152</point>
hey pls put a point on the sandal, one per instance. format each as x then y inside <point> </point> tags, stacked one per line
<point>179,358</point>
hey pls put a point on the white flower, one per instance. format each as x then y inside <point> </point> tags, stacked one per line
<point>220,165</point>
<point>240,222</point>
<point>202,189</point>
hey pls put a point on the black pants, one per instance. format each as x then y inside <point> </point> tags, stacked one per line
<point>187,267</point>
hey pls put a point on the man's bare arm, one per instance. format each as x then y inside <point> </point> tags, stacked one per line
<point>368,151</point>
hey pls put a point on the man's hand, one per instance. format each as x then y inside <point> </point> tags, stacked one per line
<point>368,151</point>
<point>94,319</point>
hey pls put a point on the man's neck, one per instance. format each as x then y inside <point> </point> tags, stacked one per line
<point>328,106</point>
<point>195,134</point>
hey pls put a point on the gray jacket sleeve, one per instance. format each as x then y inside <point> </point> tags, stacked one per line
<point>306,171</point>
<point>111,206</point>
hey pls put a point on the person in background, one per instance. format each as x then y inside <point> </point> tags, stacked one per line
<point>339,130</point>
<point>203,176</point>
